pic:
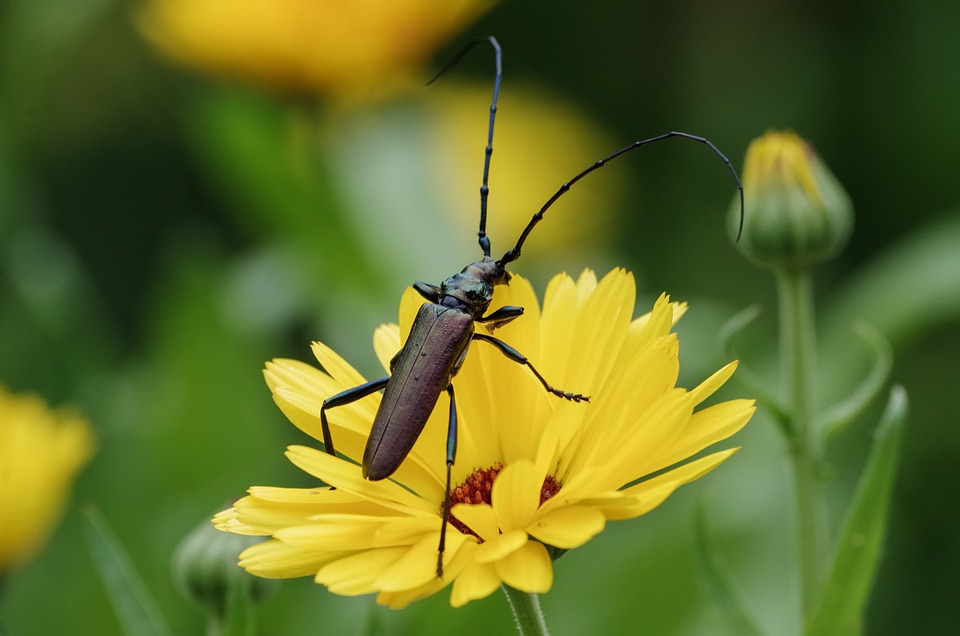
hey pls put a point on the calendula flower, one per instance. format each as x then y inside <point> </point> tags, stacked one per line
<point>305,45</point>
<point>531,470</point>
<point>41,452</point>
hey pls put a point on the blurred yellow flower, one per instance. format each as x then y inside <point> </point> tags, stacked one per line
<point>536,471</point>
<point>540,142</point>
<point>41,451</point>
<point>305,45</point>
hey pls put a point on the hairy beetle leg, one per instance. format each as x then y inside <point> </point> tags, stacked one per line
<point>342,399</point>
<point>519,358</point>
<point>451,455</point>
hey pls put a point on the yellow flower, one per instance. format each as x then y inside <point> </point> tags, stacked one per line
<point>536,470</point>
<point>41,452</point>
<point>305,45</point>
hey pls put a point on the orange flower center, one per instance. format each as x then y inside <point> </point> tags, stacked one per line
<point>477,487</point>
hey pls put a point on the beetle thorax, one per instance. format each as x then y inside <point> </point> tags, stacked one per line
<point>472,289</point>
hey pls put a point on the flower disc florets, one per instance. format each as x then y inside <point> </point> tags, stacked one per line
<point>478,486</point>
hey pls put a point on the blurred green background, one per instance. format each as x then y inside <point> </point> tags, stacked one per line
<point>163,233</point>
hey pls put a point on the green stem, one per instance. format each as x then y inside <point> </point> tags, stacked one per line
<point>526,611</point>
<point>798,354</point>
<point>237,617</point>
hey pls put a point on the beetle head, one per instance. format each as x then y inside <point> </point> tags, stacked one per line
<point>472,289</point>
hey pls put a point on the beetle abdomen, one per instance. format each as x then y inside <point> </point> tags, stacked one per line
<point>431,356</point>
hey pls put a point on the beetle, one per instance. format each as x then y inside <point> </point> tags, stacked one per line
<point>445,326</point>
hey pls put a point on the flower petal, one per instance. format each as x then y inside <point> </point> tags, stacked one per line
<point>344,475</point>
<point>657,324</point>
<point>452,570</point>
<point>501,546</point>
<point>528,569</point>
<point>601,328</point>
<point>478,517</point>
<point>679,309</point>
<point>405,530</point>
<point>418,566</point>
<point>516,495</point>
<point>299,390</point>
<point>267,510</point>
<point>519,395</point>
<point>557,326</point>
<point>331,532</point>
<point>618,413</point>
<point>586,285</point>
<point>359,573</point>
<point>338,368</point>
<point>706,427</point>
<point>410,303</point>
<point>276,560</point>
<point>478,580</point>
<point>714,382</point>
<point>651,493</point>
<point>626,457</point>
<point>386,344</point>
<point>568,527</point>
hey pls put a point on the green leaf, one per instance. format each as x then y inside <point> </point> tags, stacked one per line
<point>719,582</point>
<point>135,609</point>
<point>834,419</point>
<point>857,553</point>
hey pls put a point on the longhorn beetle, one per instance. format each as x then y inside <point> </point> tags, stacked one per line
<point>444,328</point>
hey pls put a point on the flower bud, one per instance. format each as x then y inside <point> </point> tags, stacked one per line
<point>797,213</point>
<point>205,568</point>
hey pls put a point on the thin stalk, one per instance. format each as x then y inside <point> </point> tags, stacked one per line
<point>798,355</point>
<point>526,612</point>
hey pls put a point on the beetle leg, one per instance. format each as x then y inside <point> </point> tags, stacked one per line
<point>518,357</point>
<point>451,455</point>
<point>341,399</point>
<point>501,316</point>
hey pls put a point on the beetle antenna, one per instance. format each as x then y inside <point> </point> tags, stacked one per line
<point>514,253</point>
<point>484,189</point>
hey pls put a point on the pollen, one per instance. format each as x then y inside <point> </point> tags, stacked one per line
<point>549,488</point>
<point>477,487</point>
